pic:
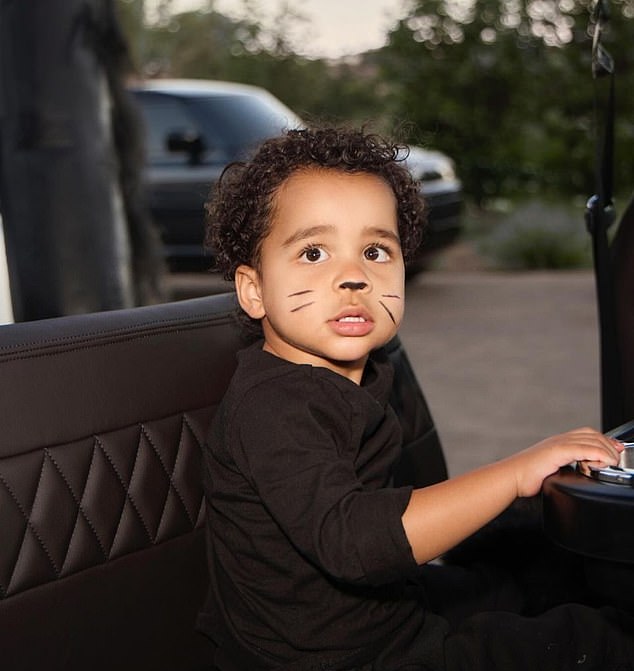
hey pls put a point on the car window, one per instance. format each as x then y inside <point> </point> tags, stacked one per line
<point>235,123</point>
<point>229,125</point>
<point>164,115</point>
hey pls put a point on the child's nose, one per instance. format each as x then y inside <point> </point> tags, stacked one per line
<point>354,286</point>
<point>351,276</point>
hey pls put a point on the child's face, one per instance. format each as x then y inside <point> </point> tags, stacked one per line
<point>330,287</point>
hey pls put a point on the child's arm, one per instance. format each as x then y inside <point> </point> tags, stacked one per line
<point>440,516</point>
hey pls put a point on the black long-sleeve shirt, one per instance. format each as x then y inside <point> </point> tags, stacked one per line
<point>308,556</point>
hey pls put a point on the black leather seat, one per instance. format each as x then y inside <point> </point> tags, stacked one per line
<point>102,557</point>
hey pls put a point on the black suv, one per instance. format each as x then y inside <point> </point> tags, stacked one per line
<point>195,127</point>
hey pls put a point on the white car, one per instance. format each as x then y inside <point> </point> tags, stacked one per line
<point>195,127</point>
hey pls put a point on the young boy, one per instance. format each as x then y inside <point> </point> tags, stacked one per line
<point>312,553</point>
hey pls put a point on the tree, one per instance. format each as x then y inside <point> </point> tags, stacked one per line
<point>206,44</point>
<point>504,87</point>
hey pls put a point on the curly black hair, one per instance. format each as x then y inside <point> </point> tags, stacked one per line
<point>239,210</point>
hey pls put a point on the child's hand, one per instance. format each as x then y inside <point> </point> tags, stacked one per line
<point>539,461</point>
<point>440,516</point>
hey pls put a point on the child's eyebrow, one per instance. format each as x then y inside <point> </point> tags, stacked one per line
<point>311,231</point>
<point>383,233</point>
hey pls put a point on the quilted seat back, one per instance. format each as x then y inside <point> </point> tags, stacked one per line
<point>102,418</point>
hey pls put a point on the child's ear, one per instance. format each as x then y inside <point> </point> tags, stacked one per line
<point>247,283</point>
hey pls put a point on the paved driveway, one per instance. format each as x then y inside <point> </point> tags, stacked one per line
<point>504,359</point>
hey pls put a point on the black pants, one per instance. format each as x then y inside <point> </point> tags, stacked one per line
<point>566,638</point>
<point>570,637</point>
<point>513,601</point>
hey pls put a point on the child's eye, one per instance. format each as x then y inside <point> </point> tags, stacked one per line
<point>378,253</point>
<point>314,254</point>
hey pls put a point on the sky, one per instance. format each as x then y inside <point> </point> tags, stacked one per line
<point>335,27</point>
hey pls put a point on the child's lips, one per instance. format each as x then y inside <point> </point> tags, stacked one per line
<point>352,323</point>
<point>352,319</point>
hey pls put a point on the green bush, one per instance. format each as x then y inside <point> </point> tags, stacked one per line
<point>538,235</point>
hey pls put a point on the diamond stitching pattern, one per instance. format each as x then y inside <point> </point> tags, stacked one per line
<point>80,508</point>
<point>67,507</point>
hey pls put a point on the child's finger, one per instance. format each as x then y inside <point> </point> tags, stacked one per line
<point>603,451</point>
<point>620,446</point>
<point>597,464</point>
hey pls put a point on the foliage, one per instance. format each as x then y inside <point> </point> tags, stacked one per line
<point>506,89</point>
<point>502,86</point>
<point>206,44</point>
<point>538,235</point>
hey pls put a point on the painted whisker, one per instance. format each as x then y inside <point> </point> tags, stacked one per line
<point>384,306</point>
<point>300,307</point>
<point>301,293</point>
